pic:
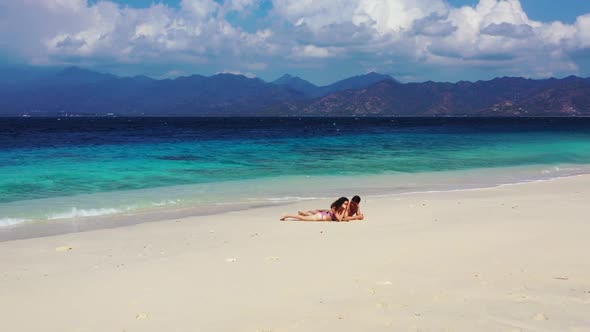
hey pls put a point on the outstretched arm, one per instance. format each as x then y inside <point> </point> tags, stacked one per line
<point>358,216</point>
<point>355,217</point>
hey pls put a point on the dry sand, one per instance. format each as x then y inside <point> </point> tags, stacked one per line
<point>513,258</point>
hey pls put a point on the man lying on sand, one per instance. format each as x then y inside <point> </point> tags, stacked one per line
<point>354,210</point>
<point>340,210</point>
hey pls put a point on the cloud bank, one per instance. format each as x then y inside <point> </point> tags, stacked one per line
<point>384,35</point>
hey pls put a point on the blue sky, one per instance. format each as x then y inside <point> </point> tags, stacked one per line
<point>320,40</point>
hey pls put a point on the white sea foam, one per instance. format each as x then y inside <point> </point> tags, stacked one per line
<point>166,202</point>
<point>75,212</point>
<point>291,198</point>
<point>7,222</point>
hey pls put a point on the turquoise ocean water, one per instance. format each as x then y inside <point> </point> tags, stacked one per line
<point>57,169</point>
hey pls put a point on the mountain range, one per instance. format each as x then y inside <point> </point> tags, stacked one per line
<point>79,92</point>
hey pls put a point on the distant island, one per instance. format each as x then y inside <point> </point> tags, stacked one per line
<point>79,92</point>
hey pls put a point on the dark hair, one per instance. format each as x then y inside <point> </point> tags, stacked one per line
<point>356,199</point>
<point>338,203</point>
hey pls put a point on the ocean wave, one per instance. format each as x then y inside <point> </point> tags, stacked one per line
<point>75,212</point>
<point>291,198</point>
<point>7,222</point>
<point>565,169</point>
<point>166,202</point>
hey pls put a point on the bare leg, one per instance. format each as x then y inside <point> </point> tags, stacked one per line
<point>311,212</point>
<point>314,217</point>
<point>308,213</point>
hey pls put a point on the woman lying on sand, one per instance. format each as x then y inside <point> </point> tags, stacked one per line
<point>338,212</point>
<point>354,210</point>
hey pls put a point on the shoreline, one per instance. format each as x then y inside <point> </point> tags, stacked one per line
<point>494,259</point>
<point>42,228</point>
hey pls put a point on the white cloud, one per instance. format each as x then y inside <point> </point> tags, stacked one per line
<point>495,34</point>
<point>200,8</point>
<point>396,16</point>
<point>59,31</point>
<point>501,11</point>
<point>59,5</point>
<point>582,27</point>
<point>239,5</point>
<point>508,30</point>
<point>315,14</point>
<point>433,26</point>
<point>312,51</point>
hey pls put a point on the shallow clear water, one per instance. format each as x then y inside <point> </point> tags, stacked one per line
<point>75,167</point>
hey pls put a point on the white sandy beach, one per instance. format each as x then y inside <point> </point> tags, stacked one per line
<point>512,258</point>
